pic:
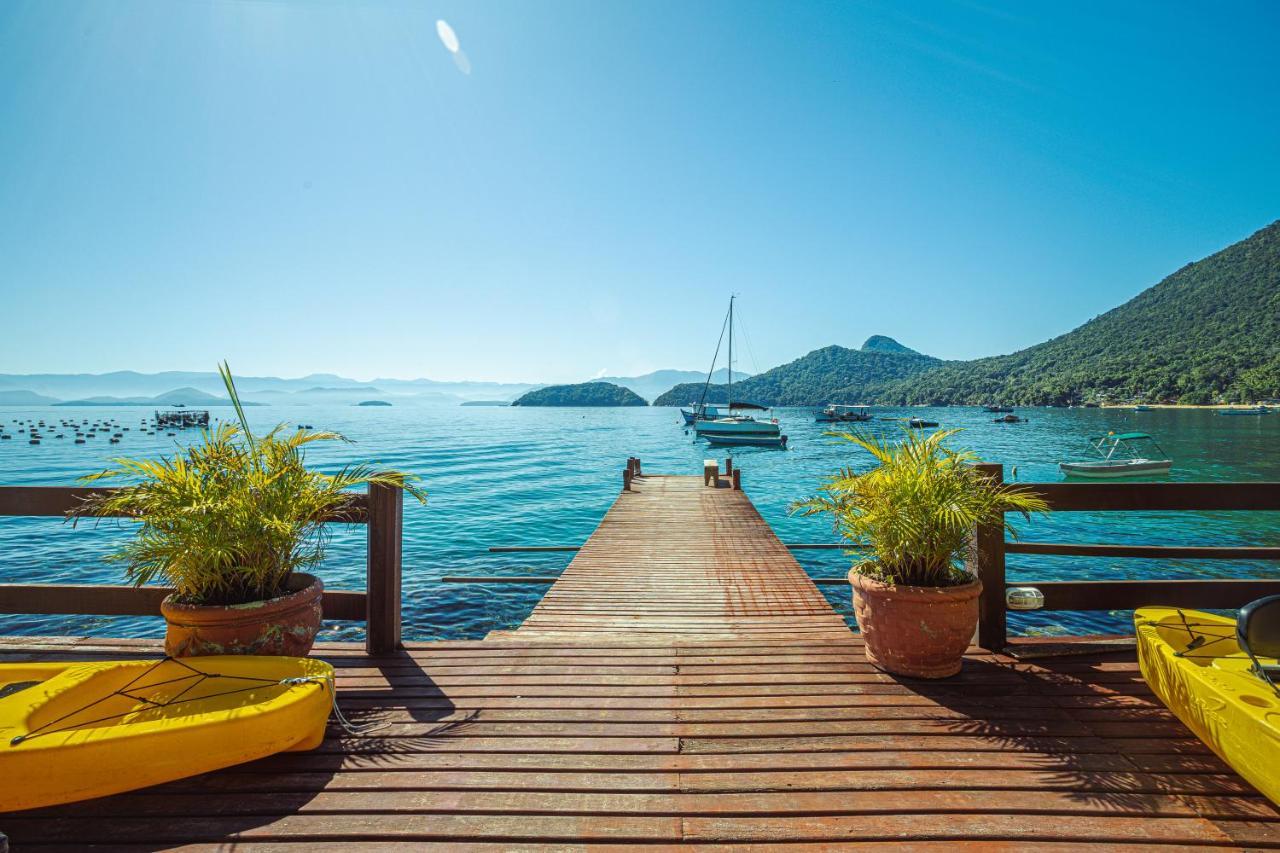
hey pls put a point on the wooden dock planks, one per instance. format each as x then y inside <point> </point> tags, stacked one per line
<point>684,684</point>
<point>674,557</point>
<point>520,743</point>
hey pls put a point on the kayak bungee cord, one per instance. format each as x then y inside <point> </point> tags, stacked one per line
<point>1203,639</point>
<point>196,677</point>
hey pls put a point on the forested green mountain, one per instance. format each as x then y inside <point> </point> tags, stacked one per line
<point>1209,332</point>
<point>830,375</point>
<point>582,394</point>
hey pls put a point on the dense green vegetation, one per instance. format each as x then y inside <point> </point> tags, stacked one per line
<point>1208,333</point>
<point>582,394</point>
<point>830,375</point>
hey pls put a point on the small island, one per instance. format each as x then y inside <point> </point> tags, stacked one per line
<point>373,403</point>
<point>582,394</point>
<point>486,403</point>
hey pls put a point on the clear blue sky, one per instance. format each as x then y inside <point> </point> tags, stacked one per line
<point>314,185</point>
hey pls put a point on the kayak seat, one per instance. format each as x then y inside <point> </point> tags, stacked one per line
<point>1258,627</point>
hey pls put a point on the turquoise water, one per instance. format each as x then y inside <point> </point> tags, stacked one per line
<point>505,476</point>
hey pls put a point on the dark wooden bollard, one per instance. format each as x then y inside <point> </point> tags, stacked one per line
<point>639,473</point>
<point>728,466</point>
<point>626,480</point>
<point>737,479</point>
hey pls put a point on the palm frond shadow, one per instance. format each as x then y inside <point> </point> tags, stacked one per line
<point>1079,748</point>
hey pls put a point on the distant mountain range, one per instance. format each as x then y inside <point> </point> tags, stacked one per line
<point>316,388</point>
<point>650,385</point>
<point>129,388</point>
<point>1209,332</point>
<point>177,397</point>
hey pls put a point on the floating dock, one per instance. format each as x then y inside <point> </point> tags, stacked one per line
<point>684,683</point>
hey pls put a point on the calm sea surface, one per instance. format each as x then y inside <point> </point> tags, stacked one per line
<point>506,476</point>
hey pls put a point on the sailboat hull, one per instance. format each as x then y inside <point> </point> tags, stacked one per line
<point>747,440</point>
<point>736,426</point>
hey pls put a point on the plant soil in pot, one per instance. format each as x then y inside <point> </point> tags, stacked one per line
<point>285,625</point>
<point>917,631</point>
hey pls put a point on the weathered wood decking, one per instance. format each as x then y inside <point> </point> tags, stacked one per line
<point>571,731</point>
<point>675,558</point>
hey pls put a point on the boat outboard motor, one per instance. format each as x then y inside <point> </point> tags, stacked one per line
<point>1258,633</point>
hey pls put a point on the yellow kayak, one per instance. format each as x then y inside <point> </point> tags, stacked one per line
<point>1194,663</point>
<point>71,731</point>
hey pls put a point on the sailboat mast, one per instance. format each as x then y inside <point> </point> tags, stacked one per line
<point>730,400</point>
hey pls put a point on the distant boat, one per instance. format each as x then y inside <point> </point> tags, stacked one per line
<point>1128,464</point>
<point>746,440</point>
<point>1256,410</point>
<point>921,423</point>
<point>834,414</point>
<point>1141,408</point>
<point>729,423</point>
<point>997,408</point>
<point>1010,419</point>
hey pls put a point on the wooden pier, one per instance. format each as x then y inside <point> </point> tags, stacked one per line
<point>674,558</point>
<point>684,684</point>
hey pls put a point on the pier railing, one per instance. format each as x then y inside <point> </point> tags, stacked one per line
<point>990,548</point>
<point>378,605</point>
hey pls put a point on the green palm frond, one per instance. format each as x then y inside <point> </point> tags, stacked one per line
<point>228,519</point>
<point>917,508</point>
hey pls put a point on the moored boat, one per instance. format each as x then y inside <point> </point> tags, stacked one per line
<point>729,423</point>
<point>1119,458</point>
<point>747,440</point>
<point>1256,410</point>
<point>997,408</point>
<point>840,413</point>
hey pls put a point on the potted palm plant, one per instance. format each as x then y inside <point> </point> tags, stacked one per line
<point>233,523</point>
<point>916,605</point>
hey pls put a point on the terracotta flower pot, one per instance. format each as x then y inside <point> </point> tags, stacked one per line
<point>285,625</point>
<point>919,631</point>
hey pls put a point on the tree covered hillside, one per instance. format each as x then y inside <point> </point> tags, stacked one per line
<point>832,374</point>
<point>1210,331</point>
<point>582,394</point>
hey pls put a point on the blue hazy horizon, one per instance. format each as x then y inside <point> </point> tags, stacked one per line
<point>314,186</point>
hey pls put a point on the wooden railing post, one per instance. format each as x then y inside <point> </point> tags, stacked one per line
<point>626,479</point>
<point>728,466</point>
<point>382,585</point>
<point>637,472</point>
<point>986,561</point>
<point>737,479</point>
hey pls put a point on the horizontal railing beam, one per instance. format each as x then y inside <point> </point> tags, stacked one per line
<point>108,600</point>
<point>1146,497</point>
<point>1059,549</point>
<point>1217,594</point>
<point>59,500</point>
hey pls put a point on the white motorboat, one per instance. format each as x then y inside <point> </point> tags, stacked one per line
<point>841,414</point>
<point>1119,458</point>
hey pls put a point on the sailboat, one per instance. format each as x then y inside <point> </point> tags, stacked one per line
<point>734,428</point>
